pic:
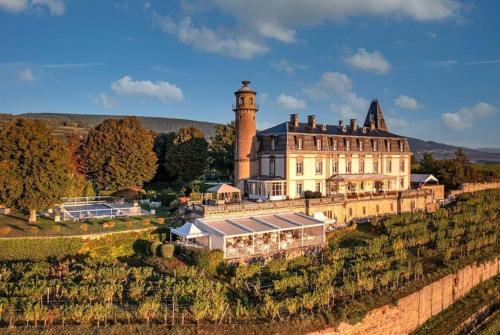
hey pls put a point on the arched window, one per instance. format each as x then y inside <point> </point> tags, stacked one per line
<point>250,101</point>
<point>242,101</point>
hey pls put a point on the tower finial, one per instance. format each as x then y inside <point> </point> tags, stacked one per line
<point>245,82</point>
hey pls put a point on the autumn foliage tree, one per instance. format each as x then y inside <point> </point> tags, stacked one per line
<point>35,171</point>
<point>222,149</point>
<point>118,154</point>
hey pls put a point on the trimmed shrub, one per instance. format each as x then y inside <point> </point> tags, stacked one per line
<point>129,224</point>
<point>160,220</point>
<point>317,195</point>
<point>4,231</point>
<point>153,248</point>
<point>167,250</point>
<point>146,222</point>
<point>34,230</point>
<point>84,227</point>
<point>308,194</point>
<point>109,224</point>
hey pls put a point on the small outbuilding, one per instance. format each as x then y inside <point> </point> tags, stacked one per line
<point>222,194</point>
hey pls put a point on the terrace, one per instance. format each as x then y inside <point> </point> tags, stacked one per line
<point>263,235</point>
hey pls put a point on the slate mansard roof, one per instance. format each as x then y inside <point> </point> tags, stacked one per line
<point>304,128</point>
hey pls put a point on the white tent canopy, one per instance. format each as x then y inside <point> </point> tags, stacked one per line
<point>322,217</point>
<point>422,178</point>
<point>188,230</point>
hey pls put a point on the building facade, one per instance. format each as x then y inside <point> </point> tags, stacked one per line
<point>290,159</point>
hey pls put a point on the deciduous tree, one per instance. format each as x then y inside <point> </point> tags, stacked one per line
<point>118,155</point>
<point>35,171</point>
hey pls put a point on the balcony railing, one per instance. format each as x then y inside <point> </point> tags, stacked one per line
<point>254,107</point>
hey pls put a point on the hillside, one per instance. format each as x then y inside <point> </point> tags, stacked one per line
<point>158,124</point>
<point>79,123</point>
<point>441,151</point>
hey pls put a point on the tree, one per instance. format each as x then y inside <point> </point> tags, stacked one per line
<point>222,149</point>
<point>118,155</point>
<point>162,144</point>
<point>35,171</point>
<point>188,157</point>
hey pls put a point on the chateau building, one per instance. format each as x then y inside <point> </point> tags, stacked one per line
<point>293,157</point>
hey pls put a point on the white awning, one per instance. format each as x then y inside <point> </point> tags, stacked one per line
<point>189,230</point>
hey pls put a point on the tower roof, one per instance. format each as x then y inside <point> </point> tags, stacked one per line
<point>375,114</point>
<point>245,87</point>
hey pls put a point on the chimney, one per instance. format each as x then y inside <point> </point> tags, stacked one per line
<point>311,121</point>
<point>341,123</point>
<point>354,125</point>
<point>372,125</point>
<point>294,120</point>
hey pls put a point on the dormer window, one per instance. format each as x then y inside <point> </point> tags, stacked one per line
<point>334,145</point>
<point>272,166</point>
<point>299,143</point>
<point>401,146</point>
<point>388,145</point>
<point>273,143</point>
<point>375,145</point>
<point>361,145</point>
<point>348,145</point>
<point>318,144</point>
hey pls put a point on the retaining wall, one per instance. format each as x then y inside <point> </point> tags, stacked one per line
<point>414,309</point>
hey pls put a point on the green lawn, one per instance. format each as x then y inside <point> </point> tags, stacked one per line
<point>16,225</point>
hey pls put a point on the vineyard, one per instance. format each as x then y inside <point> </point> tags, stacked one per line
<point>359,270</point>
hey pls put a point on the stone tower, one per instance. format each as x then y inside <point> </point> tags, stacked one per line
<point>245,128</point>
<point>375,114</point>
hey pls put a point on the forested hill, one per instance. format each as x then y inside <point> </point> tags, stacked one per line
<point>158,124</point>
<point>441,151</point>
<point>79,123</point>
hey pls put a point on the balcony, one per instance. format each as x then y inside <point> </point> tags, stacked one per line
<point>252,107</point>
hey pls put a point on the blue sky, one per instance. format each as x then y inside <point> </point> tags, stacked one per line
<point>434,65</point>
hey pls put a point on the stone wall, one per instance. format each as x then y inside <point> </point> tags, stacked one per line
<point>413,310</point>
<point>438,191</point>
<point>474,187</point>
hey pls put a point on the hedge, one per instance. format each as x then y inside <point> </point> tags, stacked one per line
<point>107,247</point>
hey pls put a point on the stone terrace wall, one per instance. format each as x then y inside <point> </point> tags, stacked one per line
<point>414,309</point>
<point>474,187</point>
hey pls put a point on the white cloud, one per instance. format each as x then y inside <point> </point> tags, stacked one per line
<point>287,101</point>
<point>159,89</point>
<point>366,61</point>
<point>337,87</point>
<point>209,40</point>
<point>281,34</point>
<point>104,100</point>
<point>14,6</point>
<point>432,34</point>
<point>404,101</point>
<point>288,67</point>
<point>280,20</point>
<point>330,83</point>
<point>26,75</point>
<point>467,116</point>
<point>56,7</point>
